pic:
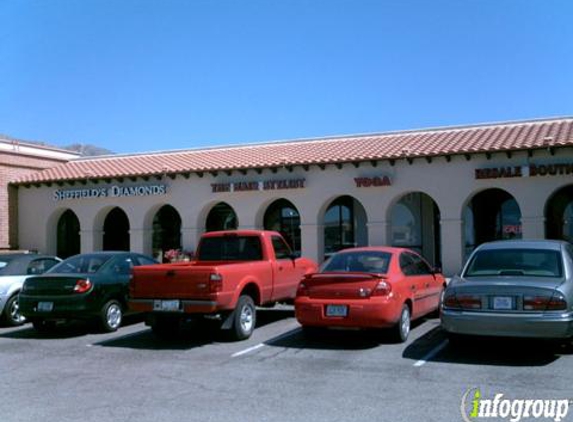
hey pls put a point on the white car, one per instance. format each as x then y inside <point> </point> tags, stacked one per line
<point>14,269</point>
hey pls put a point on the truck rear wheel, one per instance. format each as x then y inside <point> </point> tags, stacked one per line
<point>244,318</point>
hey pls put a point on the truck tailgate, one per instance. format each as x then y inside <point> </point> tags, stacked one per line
<point>177,281</point>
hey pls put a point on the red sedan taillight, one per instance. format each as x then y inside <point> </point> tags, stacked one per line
<point>82,286</point>
<point>383,288</point>
<point>302,290</point>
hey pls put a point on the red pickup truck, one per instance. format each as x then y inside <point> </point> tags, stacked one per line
<point>233,272</point>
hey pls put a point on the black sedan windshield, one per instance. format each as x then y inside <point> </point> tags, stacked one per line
<point>363,261</point>
<point>85,264</point>
<point>515,262</point>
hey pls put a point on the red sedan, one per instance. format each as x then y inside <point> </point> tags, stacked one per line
<point>371,287</point>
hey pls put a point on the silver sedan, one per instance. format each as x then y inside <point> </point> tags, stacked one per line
<point>515,288</point>
<point>14,269</point>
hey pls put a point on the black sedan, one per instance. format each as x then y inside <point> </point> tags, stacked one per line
<point>87,286</point>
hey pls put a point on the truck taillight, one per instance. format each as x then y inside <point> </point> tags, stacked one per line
<point>302,290</point>
<point>215,282</point>
<point>383,288</point>
<point>82,286</point>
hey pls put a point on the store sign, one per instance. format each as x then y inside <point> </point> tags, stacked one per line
<point>261,185</point>
<point>376,181</point>
<point>114,191</point>
<point>531,170</point>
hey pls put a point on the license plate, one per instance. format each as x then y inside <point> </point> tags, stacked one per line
<point>45,306</point>
<point>502,302</point>
<point>167,305</point>
<point>336,310</point>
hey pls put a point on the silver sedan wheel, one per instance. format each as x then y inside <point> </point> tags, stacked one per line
<point>13,314</point>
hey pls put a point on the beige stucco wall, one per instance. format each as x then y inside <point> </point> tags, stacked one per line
<point>450,184</point>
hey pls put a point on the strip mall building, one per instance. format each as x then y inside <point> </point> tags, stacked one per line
<point>439,191</point>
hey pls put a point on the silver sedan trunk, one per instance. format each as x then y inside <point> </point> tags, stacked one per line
<point>514,289</point>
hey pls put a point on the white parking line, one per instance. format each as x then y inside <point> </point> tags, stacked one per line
<point>249,350</point>
<point>258,346</point>
<point>432,353</point>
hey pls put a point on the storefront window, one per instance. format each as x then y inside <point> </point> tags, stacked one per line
<point>491,215</point>
<point>567,225</point>
<point>283,217</point>
<point>407,224</point>
<point>559,215</point>
<point>166,231</point>
<point>415,224</point>
<point>221,217</point>
<point>339,225</point>
<point>68,235</point>
<point>116,231</point>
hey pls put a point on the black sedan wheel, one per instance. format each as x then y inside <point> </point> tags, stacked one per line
<point>111,316</point>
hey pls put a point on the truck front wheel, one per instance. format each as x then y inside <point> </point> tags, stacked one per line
<point>244,318</point>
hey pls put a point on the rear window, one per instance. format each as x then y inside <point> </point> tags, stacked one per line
<point>364,262</point>
<point>230,248</point>
<point>86,264</point>
<point>515,262</point>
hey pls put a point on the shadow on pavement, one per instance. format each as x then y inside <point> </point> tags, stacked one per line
<point>193,334</point>
<point>60,331</point>
<point>336,339</point>
<point>491,351</point>
<point>64,329</point>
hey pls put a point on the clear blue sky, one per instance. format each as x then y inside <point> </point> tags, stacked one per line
<point>142,75</point>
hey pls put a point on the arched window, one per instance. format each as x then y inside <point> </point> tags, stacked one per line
<point>68,242</point>
<point>559,215</point>
<point>282,216</point>
<point>491,215</point>
<point>345,225</point>
<point>415,224</point>
<point>166,231</point>
<point>116,231</point>
<point>221,217</point>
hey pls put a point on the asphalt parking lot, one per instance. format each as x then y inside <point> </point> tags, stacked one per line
<point>75,374</point>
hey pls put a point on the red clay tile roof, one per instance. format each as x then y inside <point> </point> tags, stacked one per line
<point>500,137</point>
